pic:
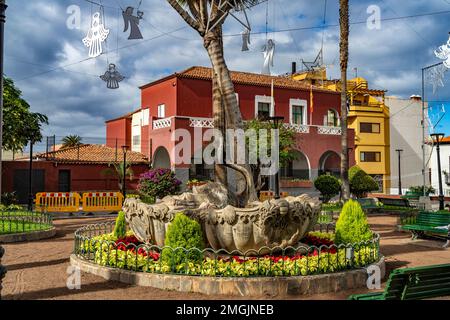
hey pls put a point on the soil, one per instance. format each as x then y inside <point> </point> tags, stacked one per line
<point>38,270</point>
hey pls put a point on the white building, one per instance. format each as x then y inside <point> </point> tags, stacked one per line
<point>445,167</point>
<point>406,134</point>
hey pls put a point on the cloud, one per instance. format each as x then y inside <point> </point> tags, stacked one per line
<point>48,61</point>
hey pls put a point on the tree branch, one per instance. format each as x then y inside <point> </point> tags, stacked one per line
<point>184,14</point>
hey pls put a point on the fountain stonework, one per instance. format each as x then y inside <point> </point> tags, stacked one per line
<point>261,225</point>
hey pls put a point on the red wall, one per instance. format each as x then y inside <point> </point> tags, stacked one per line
<point>84,177</point>
<point>118,133</point>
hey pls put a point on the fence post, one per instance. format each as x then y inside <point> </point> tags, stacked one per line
<point>2,269</point>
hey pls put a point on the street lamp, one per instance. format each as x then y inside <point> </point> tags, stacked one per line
<point>3,7</point>
<point>399,171</point>
<point>437,137</point>
<point>276,122</point>
<point>124,180</point>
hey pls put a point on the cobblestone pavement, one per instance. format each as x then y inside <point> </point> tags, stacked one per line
<point>38,270</point>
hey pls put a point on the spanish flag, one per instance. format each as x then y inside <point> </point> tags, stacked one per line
<point>311,101</point>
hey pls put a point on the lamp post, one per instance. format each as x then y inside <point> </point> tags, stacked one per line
<point>399,171</point>
<point>437,137</point>
<point>30,178</point>
<point>276,121</point>
<point>124,180</point>
<point>3,7</point>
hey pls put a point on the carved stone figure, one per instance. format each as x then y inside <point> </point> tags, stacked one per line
<point>273,223</point>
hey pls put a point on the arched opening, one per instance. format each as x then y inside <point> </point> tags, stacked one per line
<point>161,159</point>
<point>331,119</point>
<point>297,169</point>
<point>330,163</point>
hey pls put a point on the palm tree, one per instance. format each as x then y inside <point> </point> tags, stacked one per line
<point>344,26</point>
<point>207,19</point>
<point>118,172</point>
<point>71,141</point>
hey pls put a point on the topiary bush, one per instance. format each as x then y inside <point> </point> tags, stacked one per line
<point>158,183</point>
<point>360,182</point>
<point>183,233</point>
<point>352,225</point>
<point>328,185</point>
<point>120,228</point>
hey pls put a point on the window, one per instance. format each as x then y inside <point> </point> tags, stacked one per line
<point>370,156</point>
<point>298,113</point>
<point>331,119</point>
<point>264,106</point>
<point>136,141</point>
<point>145,117</point>
<point>367,127</point>
<point>162,111</point>
<point>263,110</point>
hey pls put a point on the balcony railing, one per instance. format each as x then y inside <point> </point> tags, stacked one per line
<point>209,123</point>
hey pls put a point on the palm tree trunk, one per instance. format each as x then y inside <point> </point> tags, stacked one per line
<point>344,26</point>
<point>233,117</point>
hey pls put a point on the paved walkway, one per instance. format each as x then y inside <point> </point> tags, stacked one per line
<point>37,270</point>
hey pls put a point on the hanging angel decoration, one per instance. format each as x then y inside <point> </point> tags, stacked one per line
<point>443,53</point>
<point>96,35</point>
<point>268,51</point>
<point>112,77</point>
<point>132,22</point>
<point>245,39</point>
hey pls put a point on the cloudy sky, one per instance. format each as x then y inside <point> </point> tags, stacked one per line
<point>48,61</point>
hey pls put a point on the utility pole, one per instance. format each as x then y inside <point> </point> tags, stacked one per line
<point>399,171</point>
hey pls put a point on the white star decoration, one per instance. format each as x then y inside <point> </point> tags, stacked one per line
<point>435,76</point>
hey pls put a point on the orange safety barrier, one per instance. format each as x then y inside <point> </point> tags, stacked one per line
<point>102,201</point>
<point>284,194</point>
<point>58,201</point>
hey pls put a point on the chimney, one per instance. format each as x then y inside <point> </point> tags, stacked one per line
<point>415,97</point>
<point>294,67</point>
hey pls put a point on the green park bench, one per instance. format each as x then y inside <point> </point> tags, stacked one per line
<point>398,202</point>
<point>430,222</point>
<point>369,205</point>
<point>413,284</point>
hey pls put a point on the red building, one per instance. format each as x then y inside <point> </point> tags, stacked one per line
<point>76,169</point>
<point>184,100</point>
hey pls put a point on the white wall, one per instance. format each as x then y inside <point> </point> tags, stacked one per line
<point>445,166</point>
<point>406,133</point>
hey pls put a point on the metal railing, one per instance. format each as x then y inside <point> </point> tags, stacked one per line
<point>23,221</point>
<point>291,261</point>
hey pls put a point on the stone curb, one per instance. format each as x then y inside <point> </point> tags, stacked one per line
<point>248,287</point>
<point>28,236</point>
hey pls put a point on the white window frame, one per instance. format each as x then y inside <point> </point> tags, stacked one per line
<point>338,118</point>
<point>301,103</point>
<point>265,99</point>
<point>162,107</point>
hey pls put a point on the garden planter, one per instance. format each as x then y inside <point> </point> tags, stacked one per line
<point>272,223</point>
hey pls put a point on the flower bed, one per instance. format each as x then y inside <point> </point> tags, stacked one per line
<point>12,222</point>
<point>96,243</point>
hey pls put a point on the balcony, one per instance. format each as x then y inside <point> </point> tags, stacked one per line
<point>209,124</point>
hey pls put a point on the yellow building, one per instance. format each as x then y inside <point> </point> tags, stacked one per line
<point>369,117</point>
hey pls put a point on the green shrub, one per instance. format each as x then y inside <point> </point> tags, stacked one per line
<point>328,185</point>
<point>419,190</point>
<point>158,183</point>
<point>120,229</point>
<point>352,226</point>
<point>183,234</point>
<point>360,182</point>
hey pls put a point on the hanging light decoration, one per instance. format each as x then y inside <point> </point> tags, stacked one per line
<point>112,77</point>
<point>443,53</point>
<point>132,22</point>
<point>96,35</point>
<point>269,52</point>
<point>435,76</point>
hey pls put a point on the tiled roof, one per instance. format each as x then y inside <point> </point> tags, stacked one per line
<point>255,79</point>
<point>91,153</point>
<point>128,115</point>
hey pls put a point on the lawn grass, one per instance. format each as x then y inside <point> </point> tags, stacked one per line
<point>23,221</point>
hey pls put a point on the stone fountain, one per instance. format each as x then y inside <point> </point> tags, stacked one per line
<point>272,223</point>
